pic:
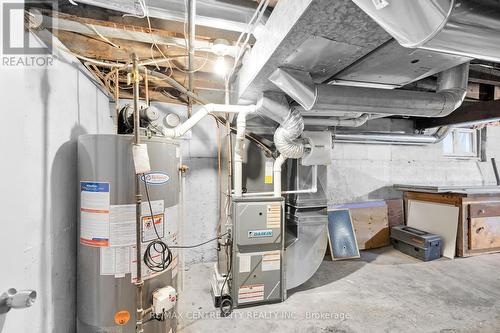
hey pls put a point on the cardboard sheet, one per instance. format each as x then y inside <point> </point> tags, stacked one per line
<point>439,219</point>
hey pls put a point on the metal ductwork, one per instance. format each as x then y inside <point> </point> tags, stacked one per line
<point>231,16</point>
<point>275,107</point>
<point>451,91</point>
<point>351,122</point>
<point>392,138</point>
<point>462,27</point>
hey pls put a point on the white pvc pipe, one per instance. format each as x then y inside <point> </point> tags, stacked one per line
<point>182,129</point>
<point>243,111</point>
<point>278,163</point>
<point>241,124</point>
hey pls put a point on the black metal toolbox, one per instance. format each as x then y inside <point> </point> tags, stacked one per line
<point>416,243</point>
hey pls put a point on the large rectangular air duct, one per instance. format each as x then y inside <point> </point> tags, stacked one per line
<point>464,27</point>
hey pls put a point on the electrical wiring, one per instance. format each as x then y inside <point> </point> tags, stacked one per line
<point>227,311</point>
<point>197,245</point>
<point>102,36</point>
<point>157,245</point>
<point>94,61</point>
<point>257,16</point>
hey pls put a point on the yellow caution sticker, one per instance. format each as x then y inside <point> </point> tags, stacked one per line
<point>122,317</point>
<point>268,177</point>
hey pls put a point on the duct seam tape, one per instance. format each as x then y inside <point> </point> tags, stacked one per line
<point>380,4</point>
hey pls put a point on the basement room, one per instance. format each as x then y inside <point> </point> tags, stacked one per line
<point>191,166</point>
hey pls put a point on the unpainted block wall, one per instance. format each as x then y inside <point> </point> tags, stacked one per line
<point>361,172</point>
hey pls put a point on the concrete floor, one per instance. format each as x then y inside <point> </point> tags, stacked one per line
<point>384,291</point>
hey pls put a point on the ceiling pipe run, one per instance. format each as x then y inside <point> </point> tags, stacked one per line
<point>222,15</point>
<point>392,138</point>
<point>451,91</point>
<point>463,27</point>
<point>352,122</point>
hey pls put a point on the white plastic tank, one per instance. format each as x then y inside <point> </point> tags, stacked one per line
<point>106,295</point>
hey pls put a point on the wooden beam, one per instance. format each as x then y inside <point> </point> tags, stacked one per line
<point>85,11</point>
<point>477,112</point>
<point>98,49</point>
<point>484,75</point>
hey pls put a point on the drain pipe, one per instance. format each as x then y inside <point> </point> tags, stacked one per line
<point>139,284</point>
<point>278,164</point>
<point>241,124</point>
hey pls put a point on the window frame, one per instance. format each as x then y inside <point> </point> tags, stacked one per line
<point>476,144</point>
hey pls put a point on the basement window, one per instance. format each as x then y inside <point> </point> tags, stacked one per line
<point>462,143</point>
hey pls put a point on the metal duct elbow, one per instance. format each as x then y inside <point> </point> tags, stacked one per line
<point>452,87</point>
<point>452,84</point>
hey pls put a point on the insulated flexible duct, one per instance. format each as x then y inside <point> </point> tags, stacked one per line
<point>275,106</point>
<point>286,137</point>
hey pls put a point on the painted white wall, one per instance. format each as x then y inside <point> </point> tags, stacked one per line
<point>43,111</point>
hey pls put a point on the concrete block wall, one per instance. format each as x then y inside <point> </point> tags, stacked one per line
<point>361,172</point>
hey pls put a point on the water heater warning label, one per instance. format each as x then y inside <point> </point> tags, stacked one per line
<point>151,228</point>
<point>151,231</point>
<point>94,213</point>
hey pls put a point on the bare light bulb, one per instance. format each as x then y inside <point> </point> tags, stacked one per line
<point>220,66</point>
